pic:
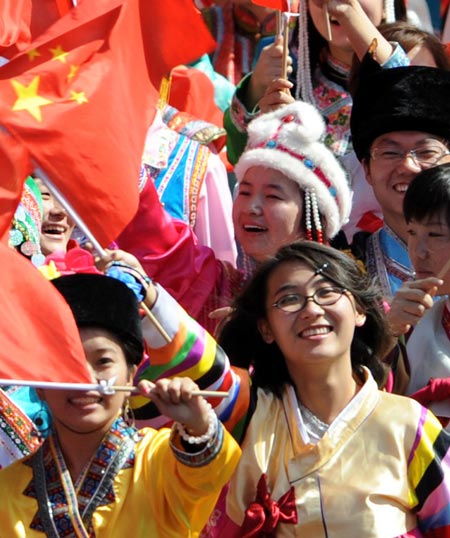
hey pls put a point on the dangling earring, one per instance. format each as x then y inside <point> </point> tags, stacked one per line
<point>41,420</point>
<point>128,413</point>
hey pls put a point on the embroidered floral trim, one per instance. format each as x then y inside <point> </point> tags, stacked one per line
<point>95,488</point>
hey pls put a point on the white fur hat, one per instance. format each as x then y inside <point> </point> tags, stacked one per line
<point>289,140</point>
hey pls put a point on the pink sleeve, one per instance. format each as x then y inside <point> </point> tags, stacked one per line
<point>214,225</point>
<point>169,252</point>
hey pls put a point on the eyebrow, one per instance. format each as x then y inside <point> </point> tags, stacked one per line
<point>266,186</point>
<point>388,140</point>
<point>291,287</point>
<point>105,349</point>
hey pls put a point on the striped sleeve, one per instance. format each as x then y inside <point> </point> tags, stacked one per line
<point>429,476</point>
<point>192,352</point>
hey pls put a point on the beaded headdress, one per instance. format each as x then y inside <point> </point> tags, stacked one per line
<point>25,231</point>
<point>290,140</point>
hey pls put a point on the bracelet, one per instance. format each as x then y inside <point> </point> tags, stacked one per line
<point>201,439</point>
<point>118,268</point>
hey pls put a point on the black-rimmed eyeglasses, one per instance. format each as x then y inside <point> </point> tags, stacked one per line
<point>294,302</point>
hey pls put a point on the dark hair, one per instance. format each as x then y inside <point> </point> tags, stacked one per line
<point>245,346</point>
<point>408,36</point>
<point>428,194</point>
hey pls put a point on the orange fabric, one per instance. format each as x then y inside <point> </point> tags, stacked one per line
<point>282,5</point>
<point>40,340</point>
<point>94,78</point>
<point>15,166</point>
<point>192,91</point>
<point>15,16</point>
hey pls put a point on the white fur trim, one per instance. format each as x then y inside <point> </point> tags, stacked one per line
<point>302,136</point>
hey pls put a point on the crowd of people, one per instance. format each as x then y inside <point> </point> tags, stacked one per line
<point>275,316</point>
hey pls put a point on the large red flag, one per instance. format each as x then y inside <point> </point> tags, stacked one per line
<point>14,166</point>
<point>82,98</point>
<point>39,337</point>
<point>22,21</point>
<point>282,5</point>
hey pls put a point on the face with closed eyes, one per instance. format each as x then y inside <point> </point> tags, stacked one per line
<point>267,212</point>
<point>316,334</point>
<point>57,226</point>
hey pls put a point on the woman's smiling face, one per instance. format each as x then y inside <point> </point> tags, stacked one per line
<point>92,412</point>
<point>267,212</point>
<point>316,333</point>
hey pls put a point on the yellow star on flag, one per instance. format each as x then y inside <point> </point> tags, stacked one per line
<point>32,54</point>
<point>59,54</point>
<point>79,97</point>
<point>73,71</point>
<point>28,98</point>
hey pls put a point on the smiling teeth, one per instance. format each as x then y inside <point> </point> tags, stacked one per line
<point>315,331</point>
<point>401,188</point>
<point>53,229</point>
<point>254,228</point>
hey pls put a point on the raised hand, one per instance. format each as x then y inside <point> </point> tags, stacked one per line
<point>268,67</point>
<point>411,302</point>
<point>174,398</point>
<point>276,95</point>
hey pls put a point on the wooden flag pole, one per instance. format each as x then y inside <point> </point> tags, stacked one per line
<point>328,24</point>
<point>62,200</point>
<point>105,388</point>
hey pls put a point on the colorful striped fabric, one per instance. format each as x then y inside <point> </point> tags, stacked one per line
<point>193,353</point>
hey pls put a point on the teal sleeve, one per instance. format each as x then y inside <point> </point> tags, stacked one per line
<point>236,140</point>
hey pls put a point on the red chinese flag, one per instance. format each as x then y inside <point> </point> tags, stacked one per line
<point>15,17</point>
<point>22,21</point>
<point>82,98</point>
<point>39,337</point>
<point>282,5</point>
<point>15,166</point>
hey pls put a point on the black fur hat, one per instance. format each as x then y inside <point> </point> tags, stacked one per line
<point>102,301</point>
<point>413,98</point>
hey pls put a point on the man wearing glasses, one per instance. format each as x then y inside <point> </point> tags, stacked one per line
<point>400,125</point>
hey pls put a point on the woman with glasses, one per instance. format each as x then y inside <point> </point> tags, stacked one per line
<point>325,452</point>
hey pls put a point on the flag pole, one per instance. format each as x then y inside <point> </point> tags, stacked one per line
<point>328,24</point>
<point>105,387</point>
<point>62,200</point>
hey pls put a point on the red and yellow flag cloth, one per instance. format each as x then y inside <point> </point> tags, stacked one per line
<point>81,99</point>
<point>79,102</point>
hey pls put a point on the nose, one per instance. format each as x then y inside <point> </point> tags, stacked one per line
<point>410,164</point>
<point>311,308</point>
<point>255,205</point>
<point>56,209</point>
<point>419,249</point>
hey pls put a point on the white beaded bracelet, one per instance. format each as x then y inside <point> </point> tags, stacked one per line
<point>201,439</point>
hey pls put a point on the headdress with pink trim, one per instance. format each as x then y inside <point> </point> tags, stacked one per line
<point>290,140</point>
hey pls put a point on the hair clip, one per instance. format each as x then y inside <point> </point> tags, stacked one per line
<point>320,270</point>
